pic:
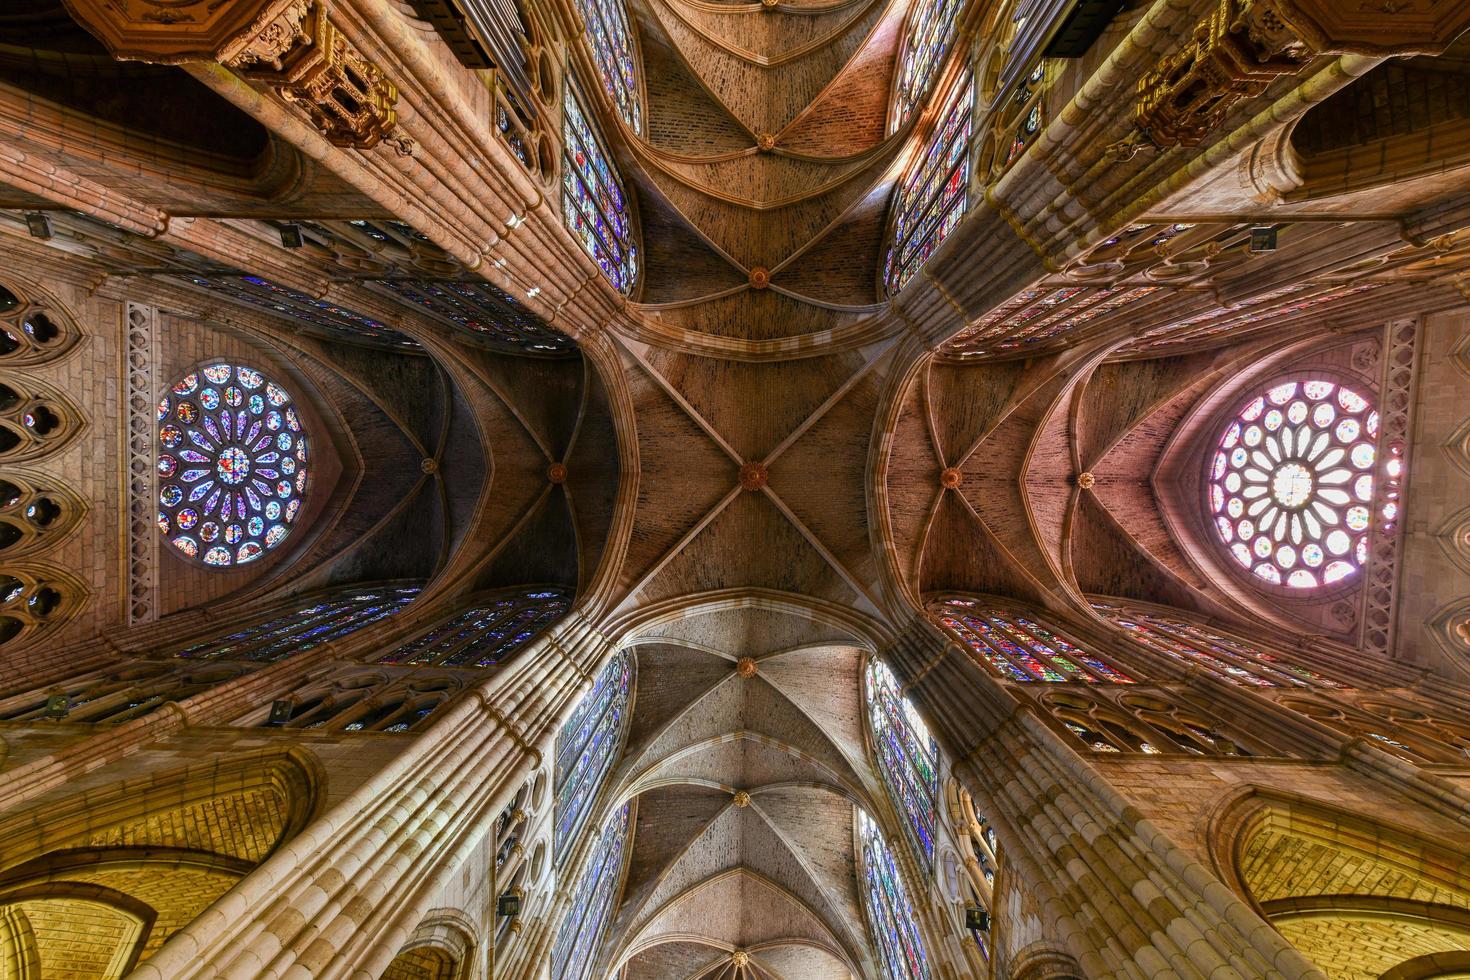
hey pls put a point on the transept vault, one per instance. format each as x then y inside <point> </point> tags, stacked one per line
<point>640,489</point>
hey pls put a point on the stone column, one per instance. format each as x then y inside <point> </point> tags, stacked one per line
<point>340,899</point>
<point>1115,894</point>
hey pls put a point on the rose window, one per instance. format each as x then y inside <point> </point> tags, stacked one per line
<point>232,465</point>
<point>1291,485</point>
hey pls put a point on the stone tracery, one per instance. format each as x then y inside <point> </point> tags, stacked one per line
<point>681,428</point>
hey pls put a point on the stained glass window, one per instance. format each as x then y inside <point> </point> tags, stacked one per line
<point>232,465</point>
<point>612,49</point>
<point>310,625</point>
<point>486,634</point>
<point>1019,648</point>
<point>586,746</point>
<point>889,915</point>
<point>1229,659</point>
<point>930,29</point>
<point>592,901</point>
<point>320,316</point>
<point>907,757</point>
<point>934,193</point>
<point>1291,483</point>
<point>594,203</point>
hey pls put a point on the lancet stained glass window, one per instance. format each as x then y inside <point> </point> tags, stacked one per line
<point>232,465</point>
<point>586,744</point>
<point>1291,483</point>
<point>581,930</point>
<point>486,634</point>
<point>934,193</point>
<point>612,49</point>
<point>1229,659</point>
<point>594,203</point>
<point>929,32</point>
<point>326,618</point>
<point>889,914</point>
<point>1021,649</point>
<point>907,757</point>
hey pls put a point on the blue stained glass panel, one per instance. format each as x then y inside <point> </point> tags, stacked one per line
<point>586,919</point>
<point>907,757</point>
<point>934,193</point>
<point>612,49</point>
<point>594,202</point>
<point>486,634</point>
<point>890,916</point>
<point>301,629</point>
<point>587,745</point>
<point>930,29</point>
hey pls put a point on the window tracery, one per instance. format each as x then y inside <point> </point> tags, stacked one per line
<point>365,703</point>
<point>613,50</point>
<point>1013,122</point>
<point>930,30</point>
<point>1409,732</point>
<point>890,914</point>
<point>35,600</point>
<point>1291,483</point>
<point>1149,724</point>
<point>587,745</point>
<point>582,927</point>
<point>115,696</point>
<point>319,621</point>
<point>1019,648</point>
<point>1230,659</point>
<point>908,758</point>
<point>486,634</point>
<point>34,421</point>
<point>233,465</point>
<point>594,201</point>
<point>980,849</point>
<point>34,513</point>
<point>32,329</point>
<point>934,194</point>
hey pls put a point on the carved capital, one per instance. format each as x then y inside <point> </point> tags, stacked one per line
<point>290,45</point>
<point>1233,55</point>
<point>1244,45</point>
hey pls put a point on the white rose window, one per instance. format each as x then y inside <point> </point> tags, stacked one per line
<point>232,465</point>
<point>1291,484</point>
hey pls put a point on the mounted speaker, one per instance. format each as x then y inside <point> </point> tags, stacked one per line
<point>280,712</point>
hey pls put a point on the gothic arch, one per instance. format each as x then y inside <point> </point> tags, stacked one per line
<point>35,328</point>
<point>442,947</point>
<point>111,873</point>
<point>36,420</point>
<point>1318,873</point>
<point>37,511</point>
<point>36,600</point>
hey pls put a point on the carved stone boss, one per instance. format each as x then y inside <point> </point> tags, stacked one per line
<point>290,45</point>
<point>1244,45</point>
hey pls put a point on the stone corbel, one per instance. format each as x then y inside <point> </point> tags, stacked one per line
<point>1244,45</point>
<point>290,45</point>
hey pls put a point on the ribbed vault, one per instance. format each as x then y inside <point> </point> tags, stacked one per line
<point>746,754</point>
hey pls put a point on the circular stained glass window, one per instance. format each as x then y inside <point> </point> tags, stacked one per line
<point>1291,483</point>
<point>232,465</point>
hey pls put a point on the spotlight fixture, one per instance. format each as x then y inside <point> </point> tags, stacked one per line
<point>38,224</point>
<point>291,235</point>
<point>508,904</point>
<point>1263,239</point>
<point>280,713</point>
<point>533,292</point>
<point>977,919</point>
<point>58,706</point>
